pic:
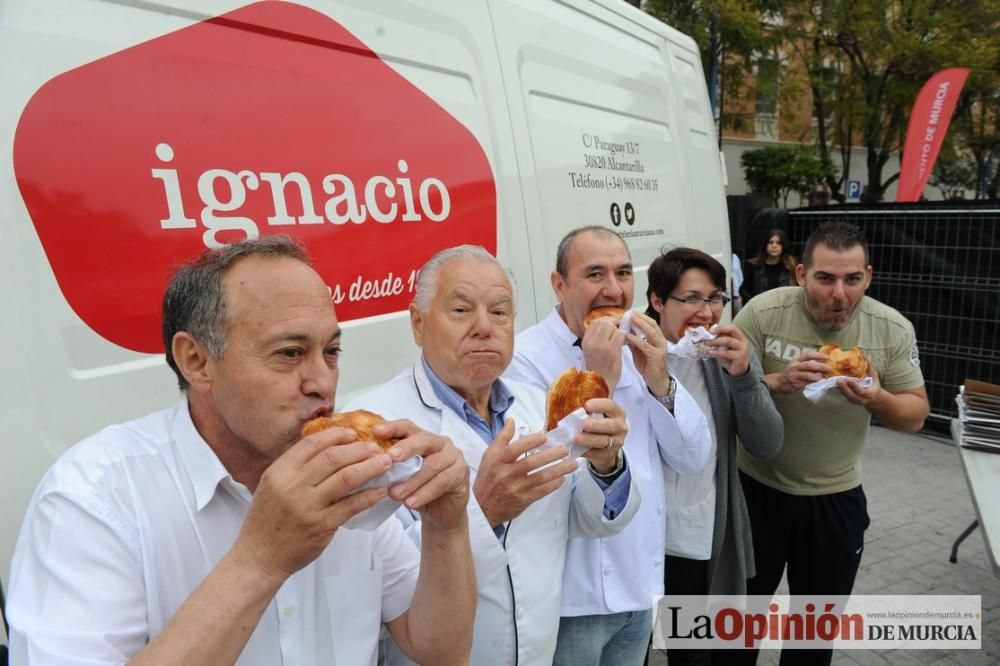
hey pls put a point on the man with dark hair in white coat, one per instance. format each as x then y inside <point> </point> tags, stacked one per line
<point>526,501</point>
<point>609,584</point>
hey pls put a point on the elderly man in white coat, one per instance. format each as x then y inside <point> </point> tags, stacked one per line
<point>609,584</point>
<point>526,502</point>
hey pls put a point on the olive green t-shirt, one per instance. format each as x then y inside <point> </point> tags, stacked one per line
<point>823,441</point>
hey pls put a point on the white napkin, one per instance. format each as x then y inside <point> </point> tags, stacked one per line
<point>688,346</point>
<point>565,434</point>
<point>815,391</point>
<point>625,323</point>
<point>375,515</point>
<point>566,431</point>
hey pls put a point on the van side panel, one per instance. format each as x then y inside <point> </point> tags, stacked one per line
<point>602,134</point>
<point>65,380</point>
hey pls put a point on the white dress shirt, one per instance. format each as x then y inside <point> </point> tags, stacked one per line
<point>622,572</point>
<point>127,523</point>
<point>518,574</point>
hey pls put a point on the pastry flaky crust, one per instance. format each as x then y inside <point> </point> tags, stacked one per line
<point>845,363</point>
<point>570,391</point>
<point>361,421</point>
<point>605,311</point>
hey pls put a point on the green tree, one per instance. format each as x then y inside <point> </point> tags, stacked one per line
<point>976,129</point>
<point>885,51</point>
<point>953,177</point>
<point>780,170</point>
<point>863,63</point>
<point>729,34</point>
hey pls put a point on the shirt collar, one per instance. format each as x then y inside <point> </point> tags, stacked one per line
<point>203,467</point>
<point>501,397</point>
<point>564,336</point>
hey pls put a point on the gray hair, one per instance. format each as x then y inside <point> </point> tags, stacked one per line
<point>428,276</point>
<point>566,244</point>
<point>195,301</point>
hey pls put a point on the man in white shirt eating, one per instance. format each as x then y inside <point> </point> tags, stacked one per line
<point>609,583</point>
<point>208,533</point>
<point>526,502</point>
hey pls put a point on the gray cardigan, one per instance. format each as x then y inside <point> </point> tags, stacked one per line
<point>741,406</point>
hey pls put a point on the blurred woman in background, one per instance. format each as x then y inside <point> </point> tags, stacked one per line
<point>773,267</point>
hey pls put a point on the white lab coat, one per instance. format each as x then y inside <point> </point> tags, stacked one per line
<point>621,572</point>
<point>519,576</point>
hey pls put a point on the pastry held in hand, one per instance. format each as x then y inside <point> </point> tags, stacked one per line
<point>362,421</point>
<point>848,364</point>
<point>570,391</point>
<point>692,344</point>
<point>845,363</point>
<point>623,318</point>
<point>605,311</point>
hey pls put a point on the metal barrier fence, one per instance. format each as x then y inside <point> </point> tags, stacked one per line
<point>939,265</point>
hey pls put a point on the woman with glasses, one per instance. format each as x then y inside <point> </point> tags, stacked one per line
<point>709,546</point>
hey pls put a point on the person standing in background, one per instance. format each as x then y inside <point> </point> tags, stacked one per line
<point>773,267</point>
<point>737,284</point>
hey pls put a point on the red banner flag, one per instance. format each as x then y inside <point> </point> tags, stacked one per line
<point>929,122</point>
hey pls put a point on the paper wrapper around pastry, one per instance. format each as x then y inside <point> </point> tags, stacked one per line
<point>362,422</point>
<point>850,365</point>
<point>566,431</point>
<point>692,344</point>
<point>564,408</point>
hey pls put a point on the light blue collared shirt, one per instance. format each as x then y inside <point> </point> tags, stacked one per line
<point>501,399</point>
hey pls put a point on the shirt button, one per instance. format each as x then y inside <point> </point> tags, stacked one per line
<point>288,611</point>
<point>607,571</point>
<point>520,613</point>
<point>659,509</point>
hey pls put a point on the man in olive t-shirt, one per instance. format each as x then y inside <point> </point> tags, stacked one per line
<point>807,507</point>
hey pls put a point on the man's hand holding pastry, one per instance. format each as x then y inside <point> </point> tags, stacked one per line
<point>602,349</point>
<point>859,395</point>
<point>649,353</point>
<point>303,498</point>
<point>440,489</point>
<point>604,435</point>
<point>801,371</point>
<point>508,481</point>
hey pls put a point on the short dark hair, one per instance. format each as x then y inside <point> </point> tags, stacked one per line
<point>666,271</point>
<point>566,244</point>
<point>838,236</point>
<point>195,299</point>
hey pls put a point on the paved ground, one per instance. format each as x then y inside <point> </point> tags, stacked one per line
<point>919,503</point>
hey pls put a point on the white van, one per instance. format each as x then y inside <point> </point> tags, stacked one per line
<point>135,134</point>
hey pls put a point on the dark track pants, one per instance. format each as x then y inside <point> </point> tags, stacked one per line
<point>819,537</point>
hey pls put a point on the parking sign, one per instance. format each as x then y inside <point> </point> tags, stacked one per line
<point>854,190</point>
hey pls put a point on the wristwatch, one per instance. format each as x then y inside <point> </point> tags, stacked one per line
<point>668,399</point>
<point>613,474</point>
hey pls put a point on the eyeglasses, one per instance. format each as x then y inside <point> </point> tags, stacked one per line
<point>715,301</point>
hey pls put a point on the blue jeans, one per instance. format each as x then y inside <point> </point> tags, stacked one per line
<point>619,639</point>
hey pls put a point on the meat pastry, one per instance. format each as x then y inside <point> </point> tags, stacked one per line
<point>570,391</point>
<point>361,421</point>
